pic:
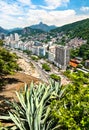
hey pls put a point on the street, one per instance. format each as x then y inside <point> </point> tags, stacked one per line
<point>43,75</point>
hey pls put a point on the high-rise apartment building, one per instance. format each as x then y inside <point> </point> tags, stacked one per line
<point>62,56</point>
<point>16,37</point>
<point>2,36</point>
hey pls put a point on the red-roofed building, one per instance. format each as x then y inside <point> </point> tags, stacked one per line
<point>73,64</point>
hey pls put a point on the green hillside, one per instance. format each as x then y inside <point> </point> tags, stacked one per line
<point>78,29</point>
<point>27,31</point>
<point>8,61</point>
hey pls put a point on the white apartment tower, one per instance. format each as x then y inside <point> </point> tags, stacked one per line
<point>16,37</point>
<point>62,56</point>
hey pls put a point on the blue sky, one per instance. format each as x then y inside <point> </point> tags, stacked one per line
<point>22,13</point>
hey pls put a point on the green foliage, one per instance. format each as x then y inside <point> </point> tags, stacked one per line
<point>27,32</point>
<point>55,77</point>
<point>33,57</point>
<point>67,73</point>
<point>33,110</point>
<point>1,42</point>
<point>60,43</point>
<point>77,77</point>
<point>77,29</point>
<point>72,112</point>
<point>80,66</point>
<point>27,52</point>
<point>83,52</point>
<point>74,53</point>
<point>46,67</point>
<point>7,62</point>
<point>1,125</point>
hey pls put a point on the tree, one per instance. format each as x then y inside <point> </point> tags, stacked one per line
<point>55,77</point>
<point>1,42</point>
<point>33,57</point>
<point>7,62</point>
<point>84,51</point>
<point>27,52</point>
<point>46,67</point>
<point>72,111</point>
<point>74,53</point>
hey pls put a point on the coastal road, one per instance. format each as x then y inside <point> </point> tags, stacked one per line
<point>43,76</point>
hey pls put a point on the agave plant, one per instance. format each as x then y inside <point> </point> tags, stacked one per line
<point>33,109</point>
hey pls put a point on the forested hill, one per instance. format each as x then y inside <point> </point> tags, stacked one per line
<point>8,64</point>
<point>77,29</point>
<point>27,31</point>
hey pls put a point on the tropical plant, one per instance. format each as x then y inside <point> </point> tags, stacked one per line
<point>7,62</point>
<point>32,112</point>
<point>35,58</point>
<point>83,52</point>
<point>1,42</point>
<point>55,77</point>
<point>46,67</point>
<point>72,112</point>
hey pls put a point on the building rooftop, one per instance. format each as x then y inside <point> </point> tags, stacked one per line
<point>73,64</point>
<point>87,61</point>
<point>60,46</point>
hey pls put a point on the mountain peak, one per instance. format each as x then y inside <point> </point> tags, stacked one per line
<point>41,23</point>
<point>43,27</point>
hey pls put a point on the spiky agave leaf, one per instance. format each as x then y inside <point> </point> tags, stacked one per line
<point>34,109</point>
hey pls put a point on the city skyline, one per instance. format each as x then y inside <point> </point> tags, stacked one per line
<point>22,13</point>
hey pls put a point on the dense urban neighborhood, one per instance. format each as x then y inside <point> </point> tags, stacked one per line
<point>59,50</point>
<point>48,67</point>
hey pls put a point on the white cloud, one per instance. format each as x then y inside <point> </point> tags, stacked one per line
<point>57,18</point>
<point>10,9</point>
<point>7,21</point>
<point>84,8</point>
<point>53,4</point>
<point>28,3</point>
<point>20,18</point>
<point>12,15</point>
<point>9,14</point>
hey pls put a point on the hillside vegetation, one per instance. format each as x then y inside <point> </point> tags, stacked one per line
<point>7,62</point>
<point>27,31</point>
<point>77,29</point>
<point>53,106</point>
<point>83,52</point>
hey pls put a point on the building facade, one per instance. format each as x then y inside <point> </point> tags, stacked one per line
<point>62,56</point>
<point>87,63</point>
<point>51,57</point>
